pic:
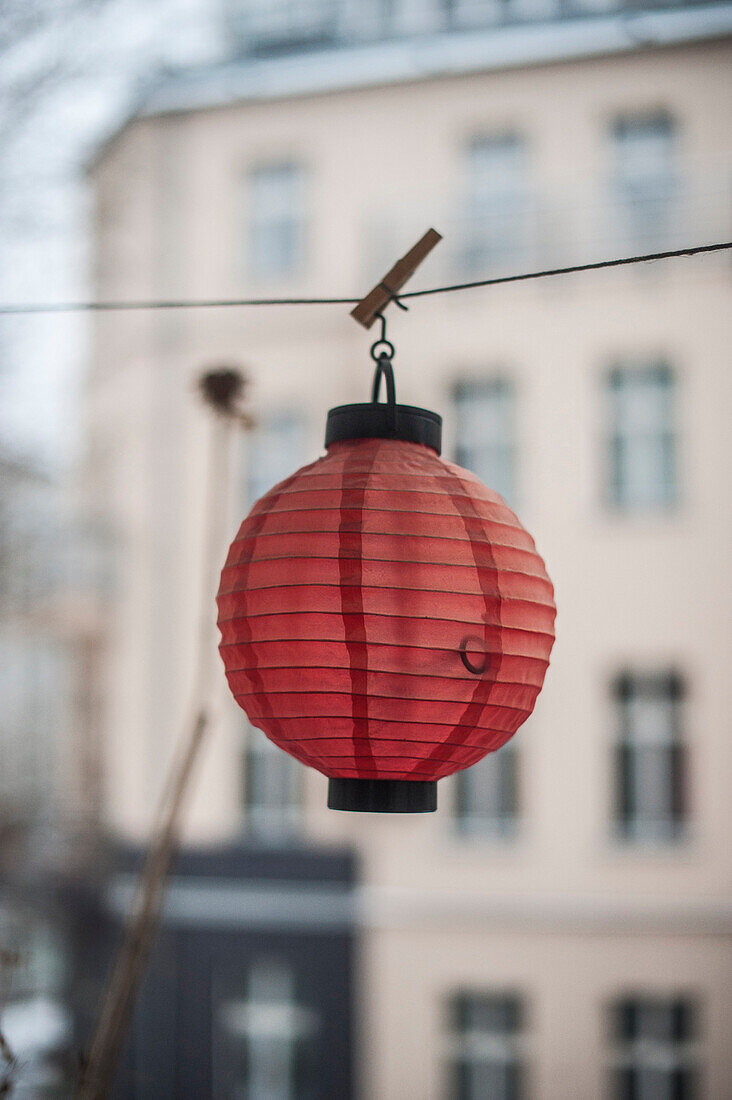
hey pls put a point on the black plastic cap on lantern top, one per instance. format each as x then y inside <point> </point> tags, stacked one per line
<point>374,420</point>
<point>385,796</point>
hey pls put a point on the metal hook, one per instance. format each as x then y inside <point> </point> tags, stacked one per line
<point>382,346</point>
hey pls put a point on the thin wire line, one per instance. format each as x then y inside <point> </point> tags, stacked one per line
<point>549,273</point>
<point>222,303</point>
<point>183,303</point>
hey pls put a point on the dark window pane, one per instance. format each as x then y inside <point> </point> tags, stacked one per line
<point>641,441</point>
<point>625,808</point>
<point>678,783</point>
<point>651,1051</point>
<point>272,789</point>
<point>644,188</point>
<point>650,760</point>
<point>486,795</point>
<point>273,451</point>
<point>276,220</point>
<point>497,212</point>
<point>485,433</point>
<point>486,1033</point>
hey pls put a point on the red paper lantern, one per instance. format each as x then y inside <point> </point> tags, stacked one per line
<point>385,618</point>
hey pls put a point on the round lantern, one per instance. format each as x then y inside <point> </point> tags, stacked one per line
<point>385,618</point>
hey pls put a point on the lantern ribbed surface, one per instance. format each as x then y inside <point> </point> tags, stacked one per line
<point>384,615</point>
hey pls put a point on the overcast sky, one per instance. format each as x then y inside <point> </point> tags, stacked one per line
<point>100,58</point>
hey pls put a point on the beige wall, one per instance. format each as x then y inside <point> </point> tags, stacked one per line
<point>647,591</point>
<point>569,980</point>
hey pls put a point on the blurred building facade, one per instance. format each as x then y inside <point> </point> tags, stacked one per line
<point>50,647</point>
<point>561,927</point>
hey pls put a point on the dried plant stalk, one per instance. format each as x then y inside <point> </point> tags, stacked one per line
<point>222,391</point>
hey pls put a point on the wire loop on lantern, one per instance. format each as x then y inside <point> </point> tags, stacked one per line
<point>382,349</point>
<point>384,370</point>
<point>475,643</point>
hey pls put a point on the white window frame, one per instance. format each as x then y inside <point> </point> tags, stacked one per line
<point>266,819</point>
<point>498,1048</point>
<point>35,678</point>
<point>475,822</point>
<point>498,219</point>
<point>644,180</point>
<point>654,1057</point>
<point>272,451</point>
<point>276,220</point>
<point>650,781</point>
<point>268,1027</point>
<point>490,452</point>
<point>639,438</point>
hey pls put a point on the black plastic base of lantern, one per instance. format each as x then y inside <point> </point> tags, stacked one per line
<point>383,796</point>
<point>381,421</point>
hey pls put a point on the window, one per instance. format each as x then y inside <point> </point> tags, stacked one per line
<point>485,433</point>
<point>275,450</point>
<point>483,13</point>
<point>39,965</point>
<point>644,179</point>
<point>269,26</point>
<point>276,221</point>
<point>265,1041</point>
<point>272,789</point>
<point>653,1051</point>
<point>650,757</point>
<point>35,1022</point>
<point>34,687</point>
<point>486,1047</point>
<point>496,220</point>
<point>642,443</point>
<point>473,13</point>
<point>486,795</point>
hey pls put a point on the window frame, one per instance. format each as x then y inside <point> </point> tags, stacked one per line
<point>260,33</point>
<point>498,828</point>
<point>502,385</point>
<point>261,822</point>
<point>629,827</point>
<point>289,1039</point>
<point>635,1053</point>
<point>260,440</point>
<point>620,497</point>
<point>256,223</point>
<point>633,214</point>
<point>485,244</point>
<point>460,1038</point>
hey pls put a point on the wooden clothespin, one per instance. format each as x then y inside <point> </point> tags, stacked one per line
<point>386,291</point>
